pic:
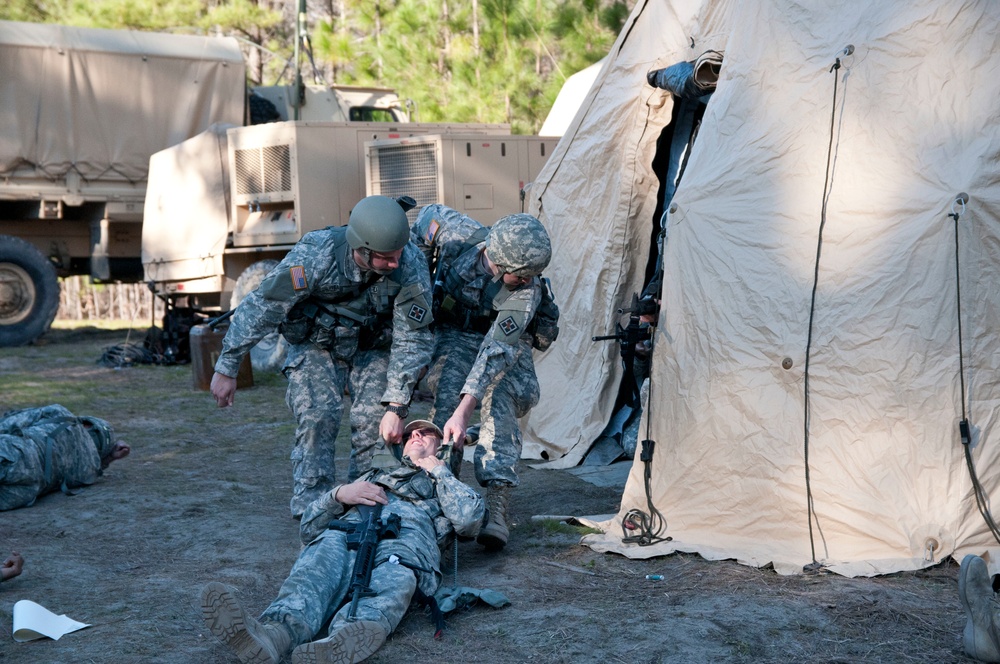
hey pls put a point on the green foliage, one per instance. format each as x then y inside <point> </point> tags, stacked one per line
<point>458,60</point>
<point>30,11</point>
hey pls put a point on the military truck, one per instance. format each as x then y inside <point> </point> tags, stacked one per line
<point>84,109</point>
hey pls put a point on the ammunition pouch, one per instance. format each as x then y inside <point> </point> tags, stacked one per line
<point>339,330</point>
<point>450,312</point>
<point>298,324</point>
<point>377,336</point>
<point>543,333</point>
<point>544,326</point>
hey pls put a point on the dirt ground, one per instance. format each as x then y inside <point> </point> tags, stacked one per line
<point>204,497</point>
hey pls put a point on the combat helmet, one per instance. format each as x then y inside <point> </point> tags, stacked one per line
<point>101,432</point>
<point>518,244</point>
<point>378,223</point>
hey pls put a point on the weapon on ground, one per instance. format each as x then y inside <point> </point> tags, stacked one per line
<point>363,536</point>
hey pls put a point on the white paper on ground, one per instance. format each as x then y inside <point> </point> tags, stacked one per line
<point>33,621</point>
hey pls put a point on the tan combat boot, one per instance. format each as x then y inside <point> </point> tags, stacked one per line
<point>975,589</point>
<point>352,642</point>
<point>253,642</point>
<point>495,533</point>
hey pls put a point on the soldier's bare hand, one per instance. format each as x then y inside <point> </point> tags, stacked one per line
<point>428,463</point>
<point>454,431</point>
<point>391,428</point>
<point>223,389</point>
<point>361,493</point>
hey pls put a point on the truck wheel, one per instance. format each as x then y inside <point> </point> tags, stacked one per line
<point>269,353</point>
<point>29,292</point>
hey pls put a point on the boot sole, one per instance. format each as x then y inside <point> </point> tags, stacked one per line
<point>352,643</point>
<point>227,621</point>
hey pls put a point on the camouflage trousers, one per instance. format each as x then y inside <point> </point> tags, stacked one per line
<point>319,583</point>
<point>315,394</point>
<point>505,401</point>
<point>22,477</point>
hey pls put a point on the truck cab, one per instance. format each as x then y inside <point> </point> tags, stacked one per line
<point>335,103</point>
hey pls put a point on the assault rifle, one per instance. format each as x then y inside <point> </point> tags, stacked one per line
<point>629,336</point>
<point>363,536</point>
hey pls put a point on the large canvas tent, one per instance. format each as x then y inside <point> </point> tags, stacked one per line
<point>826,322</point>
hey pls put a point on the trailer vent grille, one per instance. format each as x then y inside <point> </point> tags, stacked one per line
<point>266,170</point>
<point>407,170</point>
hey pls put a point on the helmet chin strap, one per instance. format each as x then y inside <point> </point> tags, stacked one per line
<point>490,266</point>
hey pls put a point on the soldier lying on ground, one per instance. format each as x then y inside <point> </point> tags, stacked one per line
<point>431,503</point>
<point>12,566</point>
<point>46,449</point>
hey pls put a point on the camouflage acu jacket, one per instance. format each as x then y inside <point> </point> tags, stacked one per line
<point>431,507</point>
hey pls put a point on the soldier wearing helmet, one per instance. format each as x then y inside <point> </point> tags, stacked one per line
<point>489,301</point>
<point>354,304</point>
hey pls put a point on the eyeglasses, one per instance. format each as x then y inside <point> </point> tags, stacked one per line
<point>425,432</point>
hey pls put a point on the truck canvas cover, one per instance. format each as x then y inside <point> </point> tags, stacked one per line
<point>100,102</point>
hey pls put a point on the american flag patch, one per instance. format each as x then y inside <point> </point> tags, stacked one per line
<point>417,313</point>
<point>298,273</point>
<point>508,325</point>
<point>432,231</point>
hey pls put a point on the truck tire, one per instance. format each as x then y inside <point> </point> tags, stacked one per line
<point>269,353</point>
<point>29,292</point>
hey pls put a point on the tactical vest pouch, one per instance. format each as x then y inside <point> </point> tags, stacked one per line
<point>379,338</point>
<point>333,333</point>
<point>454,314</point>
<point>343,343</point>
<point>544,327</point>
<point>298,325</point>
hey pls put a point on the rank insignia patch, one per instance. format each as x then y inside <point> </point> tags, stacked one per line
<point>417,313</point>
<point>298,277</point>
<point>508,325</point>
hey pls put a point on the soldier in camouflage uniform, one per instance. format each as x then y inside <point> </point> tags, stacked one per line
<point>354,304</point>
<point>487,293</point>
<point>46,449</point>
<point>432,505</point>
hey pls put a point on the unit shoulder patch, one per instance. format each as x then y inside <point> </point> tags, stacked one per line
<point>508,325</point>
<point>417,313</point>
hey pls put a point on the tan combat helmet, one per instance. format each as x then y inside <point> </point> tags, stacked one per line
<point>518,244</point>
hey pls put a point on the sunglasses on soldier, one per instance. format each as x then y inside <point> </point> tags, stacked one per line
<point>425,432</point>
